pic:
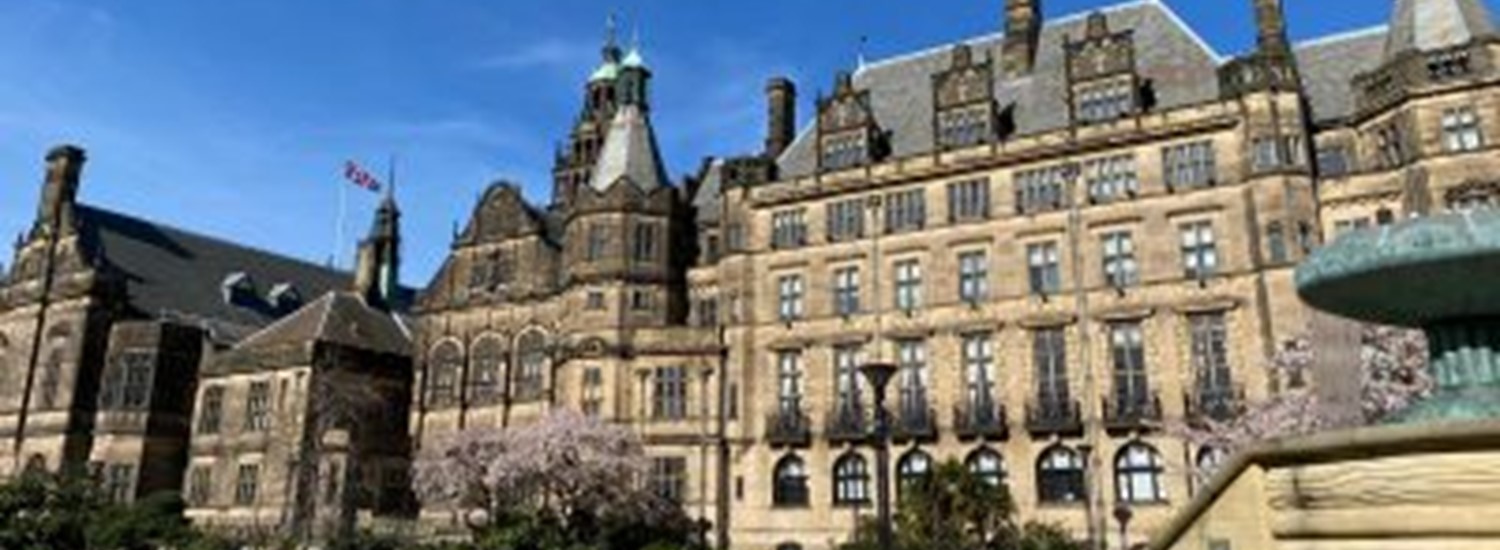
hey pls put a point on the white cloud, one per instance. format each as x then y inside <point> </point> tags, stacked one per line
<point>550,53</point>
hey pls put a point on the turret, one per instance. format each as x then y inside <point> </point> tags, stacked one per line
<point>1427,25</point>
<point>377,272</point>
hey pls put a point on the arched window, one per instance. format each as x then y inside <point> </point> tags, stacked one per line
<point>913,469</point>
<point>487,362</point>
<point>1138,475</point>
<point>987,465</point>
<point>444,370</point>
<point>790,486</point>
<point>851,480</point>
<point>1059,476</point>
<point>1209,460</point>
<point>532,355</point>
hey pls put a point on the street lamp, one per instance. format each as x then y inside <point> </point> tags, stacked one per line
<point>1096,539</point>
<point>879,376</point>
<point>1123,514</point>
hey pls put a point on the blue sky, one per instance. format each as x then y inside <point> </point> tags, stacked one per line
<point>233,117</point>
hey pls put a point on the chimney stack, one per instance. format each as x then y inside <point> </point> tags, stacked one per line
<point>1023,30</point>
<point>60,191</point>
<point>781,104</point>
<point>1270,22</point>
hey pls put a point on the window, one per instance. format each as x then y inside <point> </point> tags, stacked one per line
<point>789,382</point>
<point>973,276</point>
<point>912,378</point>
<point>533,358</point>
<point>1044,271</point>
<point>1446,65</point>
<point>846,291</point>
<point>789,229</point>
<point>987,465</point>
<point>844,151</point>
<point>1273,152</point>
<point>1040,190</point>
<point>247,485</point>
<point>734,237</point>
<point>1049,353</point>
<point>443,374</point>
<point>1104,102</point>
<point>1060,476</point>
<point>846,220</point>
<point>127,385</point>
<point>119,482</point>
<point>645,242</point>
<point>851,480</point>
<point>593,392</point>
<point>908,285</point>
<point>789,488</point>
<point>642,300</point>
<point>1200,253</point>
<point>485,372</point>
<point>598,240</point>
<point>706,313</point>
<point>1333,161</point>
<point>200,486</point>
<point>969,200</point>
<point>964,127</point>
<point>1127,347</point>
<point>905,211</point>
<point>789,293</point>
<point>1461,130</point>
<point>1211,354</point>
<point>1120,268</point>
<point>1209,460</point>
<point>669,396</point>
<point>1345,227</point>
<point>912,470</point>
<point>848,383</point>
<point>1276,243</point>
<point>1190,165</point>
<point>51,382</point>
<point>1138,475</point>
<point>594,301</point>
<point>211,414</point>
<point>258,407</point>
<point>1111,178</point>
<point>979,372</point>
<point>1390,145</point>
<point>668,478</point>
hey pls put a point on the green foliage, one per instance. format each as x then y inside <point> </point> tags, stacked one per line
<point>955,509</point>
<point>42,512</point>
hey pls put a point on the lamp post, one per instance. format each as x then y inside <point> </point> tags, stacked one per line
<point>1123,514</point>
<point>1095,538</point>
<point>879,376</point>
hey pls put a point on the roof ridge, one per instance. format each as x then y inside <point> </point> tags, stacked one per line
<point>1343,36</point>
<point>217,240</point>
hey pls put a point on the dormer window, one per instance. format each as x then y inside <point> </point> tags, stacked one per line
<point>1447,65</point>
<point>1101,73</point>
<point>964,100</point>
<point>847,134</point>
<point>238,290</point>
<point>285,298</point>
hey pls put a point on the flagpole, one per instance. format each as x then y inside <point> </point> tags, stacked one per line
<point>338,230</point>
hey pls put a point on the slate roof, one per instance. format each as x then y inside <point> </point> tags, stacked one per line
<point>630,153</point>
<point>1329,65</point>
<point>176,274</point>
<point>1181,66</point>
<point>706,201</point>
<point>1424,25</point>
<point>340,318</point>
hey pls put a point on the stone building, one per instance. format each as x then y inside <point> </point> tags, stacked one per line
<point>1070,236</point>
<point>301,428</point>
<point>105,320</point>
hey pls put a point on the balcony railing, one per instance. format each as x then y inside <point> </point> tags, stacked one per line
<point>1132,412</point>
<point>847,424</point>
<point>1219,404</point>
<point>1053,415</point>
<point>914,421</point>
<point>788,428</point>
<point>984,419</point>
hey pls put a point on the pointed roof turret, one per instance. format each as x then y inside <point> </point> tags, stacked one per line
<point>1424,25</point>
<point>630,153</point>
<point>611,54</point>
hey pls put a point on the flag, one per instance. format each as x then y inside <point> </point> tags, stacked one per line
<point>360,177</point>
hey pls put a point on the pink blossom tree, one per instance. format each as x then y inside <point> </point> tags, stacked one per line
<point>573,474</point>
<point>1393,374</point>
